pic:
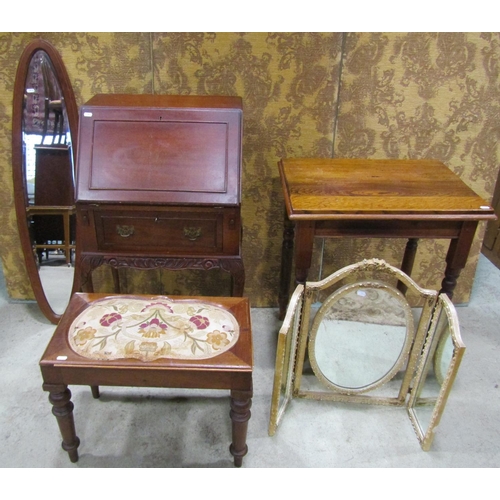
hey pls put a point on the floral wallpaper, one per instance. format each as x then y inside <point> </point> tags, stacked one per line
<point>397,95</point>
<point>421,95</point>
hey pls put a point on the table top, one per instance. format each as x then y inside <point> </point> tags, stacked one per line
<point>322,189</point>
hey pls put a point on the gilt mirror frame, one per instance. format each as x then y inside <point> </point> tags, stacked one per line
<point>285,359</point>
<point>18,163</point>
<point>294,338</point>
<point>375,269</point>
<point>432,354</point>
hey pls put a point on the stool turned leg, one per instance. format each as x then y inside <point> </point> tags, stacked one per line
<point>95,391</point>
<point>60,397</point>
<point>241,401</point>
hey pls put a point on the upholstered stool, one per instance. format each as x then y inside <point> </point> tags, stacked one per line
<point>151,341</point>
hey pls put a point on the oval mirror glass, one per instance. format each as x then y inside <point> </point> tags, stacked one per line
<point>43,148</point>
<point>360,337</point>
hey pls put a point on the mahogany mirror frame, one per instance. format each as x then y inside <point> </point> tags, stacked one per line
<point>18,166</point>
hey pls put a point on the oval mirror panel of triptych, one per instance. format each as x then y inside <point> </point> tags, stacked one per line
<point>361,337</point>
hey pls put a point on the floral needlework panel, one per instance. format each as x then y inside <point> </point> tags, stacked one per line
<point>152,328</point>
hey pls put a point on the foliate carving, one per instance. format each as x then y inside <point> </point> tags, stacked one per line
<point>94,261</point>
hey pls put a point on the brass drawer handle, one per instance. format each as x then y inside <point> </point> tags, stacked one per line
<point>125,231</point>
<point>192,233</point>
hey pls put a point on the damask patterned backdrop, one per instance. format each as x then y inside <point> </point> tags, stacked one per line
<point>370,95</point>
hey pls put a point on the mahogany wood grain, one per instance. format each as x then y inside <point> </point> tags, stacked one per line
<point>159,185</point>
<point>365,198</point>
<point>18,152</point>
<point>230,370</point>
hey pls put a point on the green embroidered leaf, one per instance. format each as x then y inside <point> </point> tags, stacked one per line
<point>101,344</point>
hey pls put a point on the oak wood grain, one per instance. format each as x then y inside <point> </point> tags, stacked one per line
<point>364,188</point>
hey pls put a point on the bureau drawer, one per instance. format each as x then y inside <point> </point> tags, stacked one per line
<point>161,232</point>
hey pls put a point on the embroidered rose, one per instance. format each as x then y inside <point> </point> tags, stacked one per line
<point>201,322</point>
<point>152,329</point>
<point>107,319</point>
<point>217,339</point>
<point>84,335</point>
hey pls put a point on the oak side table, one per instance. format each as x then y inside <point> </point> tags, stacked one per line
<point>365,198</point>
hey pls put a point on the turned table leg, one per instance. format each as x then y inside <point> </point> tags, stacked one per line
<point>286,265</point>
<point>241,401</point>
<point>62,409</point>
<point>303,249</point>
<point>456,258</point>
<point>408,261</point>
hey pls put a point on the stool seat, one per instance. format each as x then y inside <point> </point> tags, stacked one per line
<point>152,328</point>
<point>151,341</point>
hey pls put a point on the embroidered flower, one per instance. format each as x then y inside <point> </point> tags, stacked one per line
<point>83,336</point>
<point>158,305</point>
<point>152,329</point>
<point>109,318</point>
<point>147,346</point>
<point>217,339</point>
<point>201,322</point>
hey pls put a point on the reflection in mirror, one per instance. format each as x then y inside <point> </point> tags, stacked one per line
<point>44,124</point>
<point>285,358</point>
<point>441,359</point>
<point>360,337</point>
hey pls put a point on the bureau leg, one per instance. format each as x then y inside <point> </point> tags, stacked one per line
<point>116,279</point>
<point>62,409</point>
<point>236,268</point>
<point>241,401</point>
<point>85,265</point>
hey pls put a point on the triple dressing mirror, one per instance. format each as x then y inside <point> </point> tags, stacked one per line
<point>44,128</point>
<point>364,344</point>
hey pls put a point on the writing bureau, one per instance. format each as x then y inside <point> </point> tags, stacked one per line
<point>159,185</point>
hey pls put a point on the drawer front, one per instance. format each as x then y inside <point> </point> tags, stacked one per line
<point>160,232</point>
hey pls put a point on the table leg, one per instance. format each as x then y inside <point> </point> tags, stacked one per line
<point>60,397</point>
<point>304,239</point>
<point>408,261</point>
<point>241,401</point>
<point>286,265</point>
<point>456,258</point>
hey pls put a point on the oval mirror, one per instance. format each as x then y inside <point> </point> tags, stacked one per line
<point>361,337</point>
<point>44,127</point>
